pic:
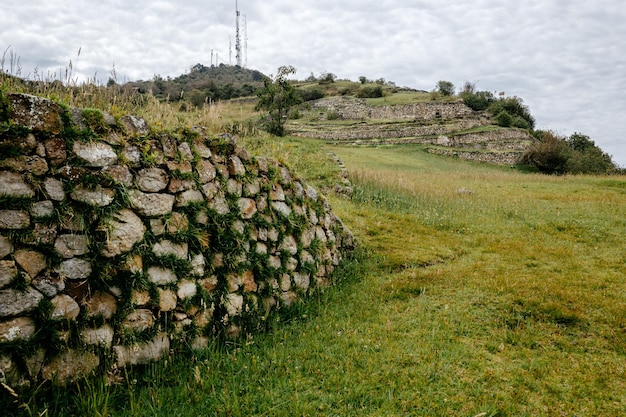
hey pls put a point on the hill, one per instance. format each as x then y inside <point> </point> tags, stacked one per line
<point>203,84</point>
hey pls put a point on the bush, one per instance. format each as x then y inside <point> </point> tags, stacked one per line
<point>514,106</point>
<point>549,155</point>
<point>445,88</point>
<point>478,101</point>
<point>310,94</point>
<point>504,119</point>
<point>574,155</point>
<point>370,92</point>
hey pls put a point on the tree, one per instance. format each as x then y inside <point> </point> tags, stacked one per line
<point>549,155</point>
<point>445,88</point>
<point>276,97</point>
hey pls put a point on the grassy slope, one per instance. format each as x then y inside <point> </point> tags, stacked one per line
<point>483,290</point>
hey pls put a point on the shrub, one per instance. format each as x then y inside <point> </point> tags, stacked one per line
<point>370,92</point>
<point>549,155</point>
<point>504,119</point>
<point>514,106</point>
<point>574,155</point>
<point>445,88</point>
<point>478,101</point>
<point>310,94</point>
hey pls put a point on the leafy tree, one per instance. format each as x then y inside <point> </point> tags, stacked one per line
<point>514,106</point>
<point>476,100</point>
<point>276,97</point>
<point>363,79</point>
<point>574,155</point>
<point>370,92</point>
<point>504,119</point>
<point>445,88</point>
<point>549,155</point>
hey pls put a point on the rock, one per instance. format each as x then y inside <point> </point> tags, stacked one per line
<point>165,248</point>
<point>140,298</point>
<point>97,197</point>
<point>139,320</point>
<point>152,180</point>
<point>235,166</point>
<point>42,234</point>
<point>75,268</point>
<point>234,187</point>
<point>123,232</point>
<point>56,151</point>
<point>285,282</point>
<point>33,164</point>
<point>289,245</point>
<point>35,113</point>
<point>70,246</point>
<point>206,171</point>
<point>49,284</point>
<point>15,303</point>
<point>6,246</point>
<point>69,366</point>
<point>143,353</point>
<point>35,362</point>
<point>198,264</point>
<point>8,271</point>
<point>186,289</point>
<point>189,197</point>
<point>301,280</point>
<point>17,329</point>
<point>30,261</point>
<point>233,303</point>
<point>251,189</point>
<point>151,205</point>
<point>14,219</point>
<point>65,308</point>
<point>210,190</point>
<point>183,167</point>
<point>288,298</point>
<point>101,304</point>
<point>118,174</point>
<point>102,336</point>
<point>274,262</point>
<point>54,189</point>
<point>42,209</point>
<point>277,193</point>
<point>13,185</point>
<point>219,204</point>
<point>161,276</point>
<point>95,154</point>
<point>184,151</point>
<point>167,300</point>
<point>209,284</point>
<point>281,208</point>
<point>178,222</point>
<point>247,207</point>
<point>249,285</point>
<point>311,193</point>
<point>135,126</point>
<point>132,154</point>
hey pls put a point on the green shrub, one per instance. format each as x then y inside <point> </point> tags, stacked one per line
<point>504,119</point>
<point>370,92</point>
<point>479,101</point>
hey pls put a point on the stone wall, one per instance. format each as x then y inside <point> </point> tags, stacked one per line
<point>495,157</point>
<point>350,108</point>
<point>119,245</point>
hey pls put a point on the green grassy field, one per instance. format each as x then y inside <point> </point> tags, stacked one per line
<point>477,291</point>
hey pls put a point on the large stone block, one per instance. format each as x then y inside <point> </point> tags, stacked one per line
<point>142,353</point>
<point>12,184</point>
<point>123,231</point>
<point>35,113</point>
<point>69,246</point>
<point>14,219</point>
<point>151,204</point>
<point>16,303</point>
<point>8,271</point>
<point>95,154</point>
<point>17,329</point>
<point>70,366</point>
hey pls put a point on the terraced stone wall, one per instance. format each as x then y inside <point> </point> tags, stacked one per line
<point>120,245</point>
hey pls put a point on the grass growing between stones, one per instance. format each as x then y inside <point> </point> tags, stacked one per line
<point>480,291</point>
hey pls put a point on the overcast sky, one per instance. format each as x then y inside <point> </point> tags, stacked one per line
<point>565,58</point>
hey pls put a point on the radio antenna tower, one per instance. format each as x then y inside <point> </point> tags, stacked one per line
<point>245,41</point>
<point>237,36</point>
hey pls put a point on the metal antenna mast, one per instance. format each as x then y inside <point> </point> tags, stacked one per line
<point>245,41</point>
<point>237,36</point>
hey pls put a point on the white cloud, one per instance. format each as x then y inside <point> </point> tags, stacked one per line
<point>565,58</point>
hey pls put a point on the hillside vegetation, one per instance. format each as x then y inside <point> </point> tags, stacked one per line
<point>478,291</point>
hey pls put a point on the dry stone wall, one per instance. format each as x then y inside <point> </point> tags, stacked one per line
<point>119,245</point>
